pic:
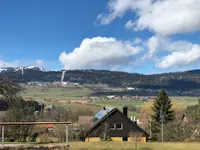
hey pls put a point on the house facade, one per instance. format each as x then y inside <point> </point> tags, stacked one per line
<point>112,123</point>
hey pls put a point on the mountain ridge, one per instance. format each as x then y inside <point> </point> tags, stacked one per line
<point>173,80</point>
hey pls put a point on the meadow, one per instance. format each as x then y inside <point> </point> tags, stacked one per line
<point>77,98</point>
<point>131,146</point>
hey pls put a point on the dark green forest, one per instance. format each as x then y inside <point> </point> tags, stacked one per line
<point>174,81</point>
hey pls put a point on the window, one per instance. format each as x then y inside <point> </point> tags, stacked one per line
<point>112,126</point>
<point>119,126</point>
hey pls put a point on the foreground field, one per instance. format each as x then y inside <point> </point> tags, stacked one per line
<point>131,146</point>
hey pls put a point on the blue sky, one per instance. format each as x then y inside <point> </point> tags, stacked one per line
<point>101,34</point>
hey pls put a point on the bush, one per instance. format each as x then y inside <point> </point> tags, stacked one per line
<point>6,139</point>
<point>188,140</point>
<point>33,137</point>
<point>44,138</point>
<point>197,139</point>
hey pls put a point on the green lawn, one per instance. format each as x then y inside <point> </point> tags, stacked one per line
<point>120,103</point>
<point>131,146</point>
<point>186,100</point>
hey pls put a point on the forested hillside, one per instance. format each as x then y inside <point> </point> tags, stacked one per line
<point>178,80</point>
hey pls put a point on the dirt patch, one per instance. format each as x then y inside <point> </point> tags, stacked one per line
<point>73,101</point>
<point>63,101</point>
<point>79,101</point>
<point>86,106</point>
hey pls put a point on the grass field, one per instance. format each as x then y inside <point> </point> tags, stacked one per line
<point>120,103</point>
<point>76,98</point>
<point>131,146</point>
<point>186,100</point>
<point>117,146</point>
<point>55,93</point>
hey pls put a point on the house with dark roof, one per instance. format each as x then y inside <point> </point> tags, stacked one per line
<point>114,124</point>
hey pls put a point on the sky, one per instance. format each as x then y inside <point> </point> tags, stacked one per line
<point>142,36</point>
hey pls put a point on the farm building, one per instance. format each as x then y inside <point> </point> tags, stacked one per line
<point>113,124</point>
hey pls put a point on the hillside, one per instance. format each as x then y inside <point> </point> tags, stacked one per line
<point>178,80</point>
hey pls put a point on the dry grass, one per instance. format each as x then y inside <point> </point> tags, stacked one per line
<point>130,145</point>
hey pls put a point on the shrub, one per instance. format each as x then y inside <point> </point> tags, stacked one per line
<point>33,137</point>
<point>188,140</point>
<point>44,138</point>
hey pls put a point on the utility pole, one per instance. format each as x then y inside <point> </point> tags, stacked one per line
<point>162,119</point>
<point>2,140</point>
<point>66,134</point>
<point>162,129</point>
<point>150,132</point>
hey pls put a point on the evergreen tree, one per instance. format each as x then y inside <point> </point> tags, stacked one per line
<point>162,106</point>
<point>162,109</point>
<point>196,112</point>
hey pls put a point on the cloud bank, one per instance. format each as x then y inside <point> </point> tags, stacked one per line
<point>165,17</point>
<point>181,58</point>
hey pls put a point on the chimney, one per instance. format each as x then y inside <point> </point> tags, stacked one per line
<point>125,111</point>
<point>135,120</point>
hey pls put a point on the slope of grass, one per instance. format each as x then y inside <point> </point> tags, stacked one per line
<point>120,103</point>
<point>56,93</point>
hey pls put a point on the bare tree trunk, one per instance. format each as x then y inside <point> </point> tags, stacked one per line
<point>105,131</point>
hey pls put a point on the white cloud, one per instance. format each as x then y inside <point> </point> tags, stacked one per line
<point>180,58</point>
<point>109,53</point>
<point>9,64</point>
<point>100,52</point>
<point>39,62</point>
<point>168,54</point>
<point>160,43</point>
<point>165,17</point>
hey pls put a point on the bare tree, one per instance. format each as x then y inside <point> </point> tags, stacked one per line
<point>178,133</point>
<point>106,129</point>
<point>82,130</point>
<point>135,136</point>
<point>60,132</point>
<point>60,113</point>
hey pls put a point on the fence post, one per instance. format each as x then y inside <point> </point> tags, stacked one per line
<point>66,125</point>
<point>2,138</point>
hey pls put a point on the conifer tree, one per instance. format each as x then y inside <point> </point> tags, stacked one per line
<point>162,109</point>
<point>162,106</point>
<point>196,112</point>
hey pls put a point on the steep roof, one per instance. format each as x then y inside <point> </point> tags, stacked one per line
<point>109,114</point>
